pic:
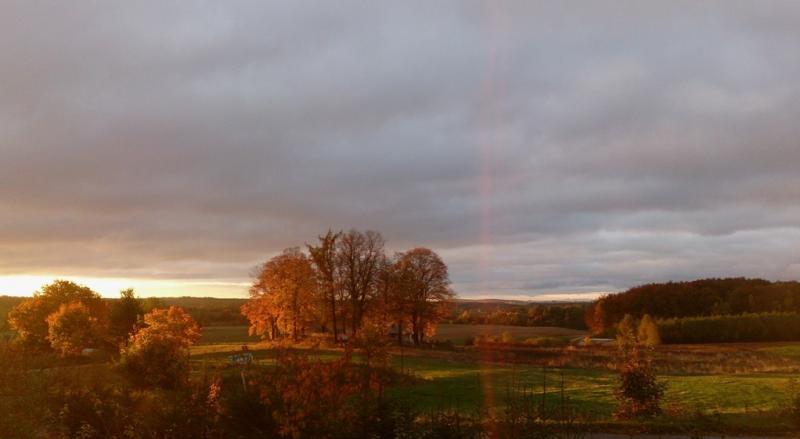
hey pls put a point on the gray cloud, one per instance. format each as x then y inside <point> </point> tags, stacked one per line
<point>539,146</point>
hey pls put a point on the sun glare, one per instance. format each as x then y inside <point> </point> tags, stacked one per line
<point>26,285</point>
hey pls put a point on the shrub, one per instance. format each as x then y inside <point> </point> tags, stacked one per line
<point>158,354</point>
<point>638,392</point>
<point>309,398</point>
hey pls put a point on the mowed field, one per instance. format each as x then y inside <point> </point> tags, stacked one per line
<point>461,380</point>
<point>455,333</point>
<point>459,333</point>
<point>227,334</point>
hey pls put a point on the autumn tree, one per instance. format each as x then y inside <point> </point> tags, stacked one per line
<point>360,257</point>
<point>125,313</point>
<point>425,284</point>
<point>283,295</point>
<point>324,261</point>
<point>626,331</point>
<point>647,332</point>
<point>29,318</point>
<point>638,391</point>
<point>390,305</point>
<point>157,354</point>
<point>72,329</point>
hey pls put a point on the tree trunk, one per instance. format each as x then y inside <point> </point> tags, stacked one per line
<point>400,332</point>
<point>333,316</point>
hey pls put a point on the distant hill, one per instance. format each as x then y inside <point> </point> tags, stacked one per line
<point>704,297</point>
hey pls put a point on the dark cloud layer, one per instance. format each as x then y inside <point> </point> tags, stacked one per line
<point>539,146</point>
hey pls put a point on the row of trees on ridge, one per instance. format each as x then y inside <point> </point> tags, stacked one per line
<point>704,297</point>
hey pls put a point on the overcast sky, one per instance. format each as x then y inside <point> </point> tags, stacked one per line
<point>539,147</point>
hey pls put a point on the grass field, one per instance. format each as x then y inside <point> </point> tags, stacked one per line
<point>455,333</point>
<point>462,381</point>
<point>459,333</point>
<point>227,334</point>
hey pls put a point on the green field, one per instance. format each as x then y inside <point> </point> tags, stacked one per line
<point>459,333</point>
<point>455,380</point>
<point>226,334</point>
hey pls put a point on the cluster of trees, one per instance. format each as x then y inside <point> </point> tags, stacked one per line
<point>344,282</point>
<point>751,327</point>
<point>67,318</point>
<point>706,297</point>
<point>534,314</point>
<point>63,316</point>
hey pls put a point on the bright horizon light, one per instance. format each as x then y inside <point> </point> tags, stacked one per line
<point>26,285</point>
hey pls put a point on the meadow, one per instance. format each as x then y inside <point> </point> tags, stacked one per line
<point>748,395</point>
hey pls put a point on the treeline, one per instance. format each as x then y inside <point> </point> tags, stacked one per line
<point>210,311</point>
<point>7,303</point>
<point>207,311</point>
<point>706,297</point>
<point>345,281</point>
<point>778,326</point>
<point>529,314</point>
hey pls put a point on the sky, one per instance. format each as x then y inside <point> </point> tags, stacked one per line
<point>551,149</point>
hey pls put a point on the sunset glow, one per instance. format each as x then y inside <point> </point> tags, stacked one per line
<point>26,285</point>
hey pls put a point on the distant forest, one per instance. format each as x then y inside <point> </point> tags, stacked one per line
<point>496,312</point>
<point>670,300</point>
<point>227,312</point>
<point>705,297</point>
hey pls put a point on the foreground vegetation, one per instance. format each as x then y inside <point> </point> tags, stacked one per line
<point>75,366</point>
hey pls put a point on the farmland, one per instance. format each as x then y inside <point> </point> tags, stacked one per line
<point>747,396</point>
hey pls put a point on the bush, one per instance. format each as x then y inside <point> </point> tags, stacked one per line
<point>158,354</point>
<point>638,391</point>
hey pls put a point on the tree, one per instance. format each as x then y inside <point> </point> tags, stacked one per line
<point>29,318</point>
<point>647,333</point>
<point>157,354</point>
<point>638,390</point>
<point>152,303</point>
<point>424,282</point>
<point>283,295</point>
<point>125,313</point>
<point>71,329</point>
<point>625,331</point>
<point>174,322</point>
<point>323,258</point>
<point>359,256</point>
<point>390,306</point>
